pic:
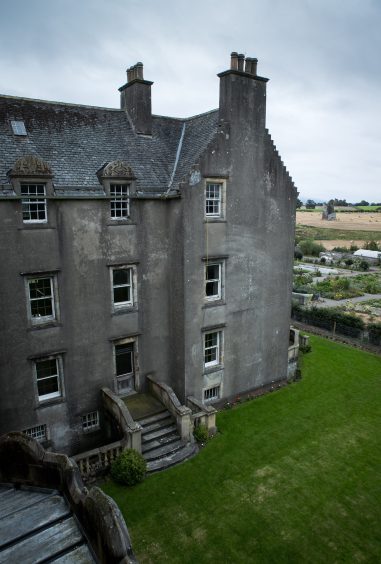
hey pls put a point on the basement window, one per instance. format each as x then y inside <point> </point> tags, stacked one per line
<point>18,128</point>
<point>212,394</point>
<point>90,421</point>
<point>39,432</point>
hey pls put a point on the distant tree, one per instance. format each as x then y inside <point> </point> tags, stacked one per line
<point>310,205</point>
<point>299,203</point>
<point>338,202</point>
<point>371,246</point>
<point>362,203</point>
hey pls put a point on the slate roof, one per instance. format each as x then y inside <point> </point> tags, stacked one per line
<point>76,141</point>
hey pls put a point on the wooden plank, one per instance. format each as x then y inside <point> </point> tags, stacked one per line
<point>5,489</point>
<point>14,500</point>
<point>80,555</point>
<point>43,545</point>
<point>32,518</point>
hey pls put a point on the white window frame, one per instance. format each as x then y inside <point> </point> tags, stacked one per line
<point>217,361</point>
<point>212,394</point>
<point>131,284</point>
<point>39,432</point>
<point>29,199</point>
<point>41,319</point>
<point>90,421</point>
<point>217,296</point>
<point>117,197</point>
<point>58,375</point>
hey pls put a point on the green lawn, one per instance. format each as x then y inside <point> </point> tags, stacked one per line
<point>330,233</point>
<point>293,477</point>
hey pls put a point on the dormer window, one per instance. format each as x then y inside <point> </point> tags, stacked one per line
<point>119,202</point>
<point>33,203</point>
<point>18,128</point>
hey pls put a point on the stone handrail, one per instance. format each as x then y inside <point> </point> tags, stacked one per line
<point>293,353</point>
<point>92,462</point>
<point>203,414</point>
<point>117,410</point>
<point>181,413</point>
<point>24,461</point>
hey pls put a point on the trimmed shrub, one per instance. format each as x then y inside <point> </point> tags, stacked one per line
<point>346,323</point>
<point>298,255</point>
<point>374,333</point>
<point>310,248</point>
<point>362,265</point>
<point>200,433</point>
<point>129,468</point>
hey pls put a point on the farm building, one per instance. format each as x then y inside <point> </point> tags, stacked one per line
<point>373,257</point>
<point>140,253</point>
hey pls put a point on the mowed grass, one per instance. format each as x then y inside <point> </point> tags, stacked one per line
<point>294,476</point>
<point>329,234</point>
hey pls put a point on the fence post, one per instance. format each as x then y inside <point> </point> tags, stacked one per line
<point>334,328</point>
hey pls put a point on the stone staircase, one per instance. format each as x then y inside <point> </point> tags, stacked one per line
<point>162,446</point>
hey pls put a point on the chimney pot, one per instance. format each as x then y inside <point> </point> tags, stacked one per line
<point>254,63</point>
<point>248,65</point>
<point>241,59</point>
<point>129,75</point>
<point>234,60</point>
<point>139,70</point>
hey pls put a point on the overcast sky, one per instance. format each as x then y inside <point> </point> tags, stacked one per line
<point>323,59</point>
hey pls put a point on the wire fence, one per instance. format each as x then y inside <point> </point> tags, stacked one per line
<point>368,334</point>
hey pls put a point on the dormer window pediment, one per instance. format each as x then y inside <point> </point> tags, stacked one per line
<point>30,166</point>
<point>116,170</point>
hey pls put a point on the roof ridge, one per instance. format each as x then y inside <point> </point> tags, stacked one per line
<point>187,118</point>
<point>71,104</point>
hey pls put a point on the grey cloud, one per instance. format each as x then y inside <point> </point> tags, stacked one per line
<point>321,56</point>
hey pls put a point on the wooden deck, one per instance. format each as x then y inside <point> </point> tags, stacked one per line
<point>36,525</point>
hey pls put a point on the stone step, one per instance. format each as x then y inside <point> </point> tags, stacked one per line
<point>163,450</point>
<point>156,443</point>
<point>153,418</point>
<point>158,425</point>
<point>167,430</point>
<point>176,457</point>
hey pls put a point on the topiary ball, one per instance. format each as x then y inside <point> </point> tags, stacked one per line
<point>129,468</point>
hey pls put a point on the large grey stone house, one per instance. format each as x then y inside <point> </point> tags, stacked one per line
<point>134,244</point>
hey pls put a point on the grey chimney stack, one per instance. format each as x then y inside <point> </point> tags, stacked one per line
<point>243,95</point>
<point>135,99</point>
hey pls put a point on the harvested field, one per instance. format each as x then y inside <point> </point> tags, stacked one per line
<point>344,221</point>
